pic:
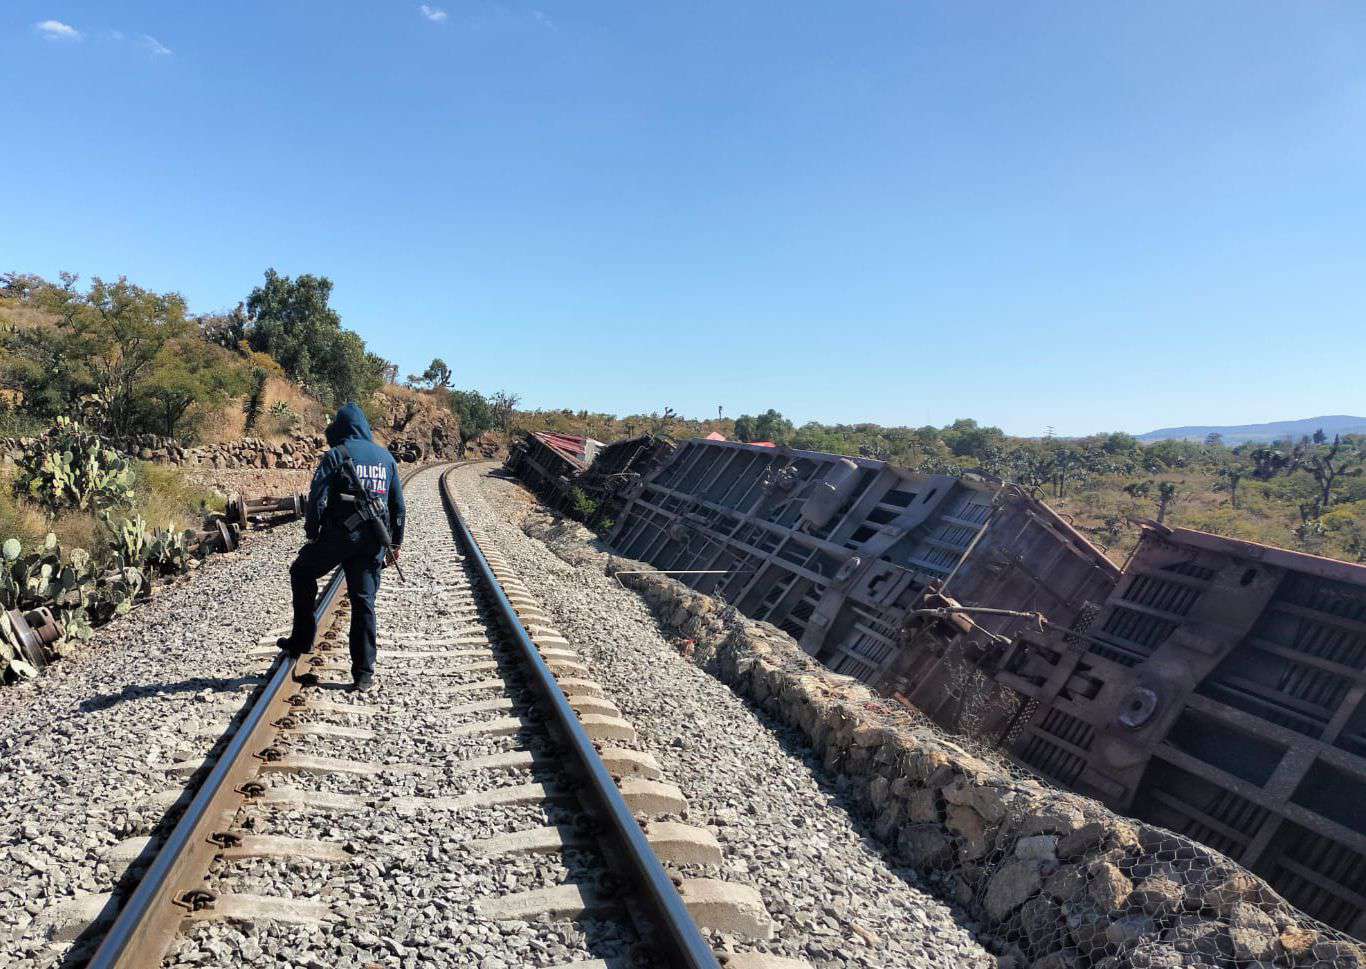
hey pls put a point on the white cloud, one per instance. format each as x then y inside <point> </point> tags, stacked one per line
<point>435,14</point>
<point>56,30</point>
<point>543,18</point>
<point>156,46</point>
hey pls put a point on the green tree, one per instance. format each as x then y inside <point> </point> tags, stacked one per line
<point>346,370</point>
<point>1119,443</point>
<point>191,372</point>
<point>966,438</point>
<point>660,424</point>
<point>816,437</point>
<point>1329,465</point>
<point>1029,467</point>
<point>228,330</point>
<point>1067,465</point>
<point>1267,462</point>
<point>768,426</point>
<point>436,375</point>
<point>112,337</point>
<point>1231,476</point>
<point>504,405</point>
<point>37,365</point>
<point>290,319</point>
<point>1166,497</point>
<point>475,414</point>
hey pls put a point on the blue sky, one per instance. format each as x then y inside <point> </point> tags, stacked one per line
<point>1085,215</point>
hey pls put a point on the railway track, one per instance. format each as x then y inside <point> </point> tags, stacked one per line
<point>486,806</point>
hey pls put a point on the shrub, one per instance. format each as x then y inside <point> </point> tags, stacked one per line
<point>255,401</point>
<point>165,494</point>
<point>581,506</point>
<point>283,419</point>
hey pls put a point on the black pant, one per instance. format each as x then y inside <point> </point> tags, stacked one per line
<point>361,562</point>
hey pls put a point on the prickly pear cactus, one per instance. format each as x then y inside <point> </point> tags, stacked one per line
<point>169,550</point>
<point>71,467</point>
<point>130,542</point>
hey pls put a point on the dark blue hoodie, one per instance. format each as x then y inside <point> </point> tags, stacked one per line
<point>378,472</point>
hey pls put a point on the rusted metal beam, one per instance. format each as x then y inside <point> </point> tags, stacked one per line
<point>243,511</point>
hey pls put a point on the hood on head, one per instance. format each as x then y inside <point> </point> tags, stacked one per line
<point>349,423</point>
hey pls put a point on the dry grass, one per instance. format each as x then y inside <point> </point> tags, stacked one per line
<point>19,519</point>
<point>165,497</point>
<point>17,314</point>
<point>30,524</point>
<point>228,423</point>
<point>311,413</point>
<point>222,424</point>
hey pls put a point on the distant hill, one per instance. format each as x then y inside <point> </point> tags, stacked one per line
<point>1275,430</point>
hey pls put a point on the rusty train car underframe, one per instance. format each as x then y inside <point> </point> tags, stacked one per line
<point>1211,686</point>
<point>837,551</point>
<point>608,475</point>
<point>547,467</point>
<point>1218,691</point>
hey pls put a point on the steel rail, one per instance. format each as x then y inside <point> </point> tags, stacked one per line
<point>148,921</point>
<point>138,938</point>
<point>678,935</point>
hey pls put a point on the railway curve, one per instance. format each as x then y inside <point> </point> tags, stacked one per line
<point>443,819</point>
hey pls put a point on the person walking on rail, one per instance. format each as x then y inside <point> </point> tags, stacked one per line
<point>355,509</point>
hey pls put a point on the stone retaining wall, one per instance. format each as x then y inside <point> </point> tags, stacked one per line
<point>1059,881</point>
<point>302,451</point>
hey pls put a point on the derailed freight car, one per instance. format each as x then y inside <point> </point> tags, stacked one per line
<point>1211,686</point>
<point>838,550</point>
<point>1217,692</point>
<point>562,467</point>
<point>549,463</point>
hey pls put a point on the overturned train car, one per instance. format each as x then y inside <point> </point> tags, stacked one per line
<point>549,464</point>
<point>565,470</point>
<point>1218,692</point>
<point>1211,686</point>
<point>837,551</point>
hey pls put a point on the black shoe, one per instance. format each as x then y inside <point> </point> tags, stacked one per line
<point>363,684</point>
<point>287,644</point>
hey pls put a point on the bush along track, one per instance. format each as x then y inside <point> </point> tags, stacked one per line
<point>67,592</point>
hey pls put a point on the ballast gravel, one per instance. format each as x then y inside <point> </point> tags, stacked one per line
<point>411,893</point>
<point>837,900</point>
<point>87,743</point>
